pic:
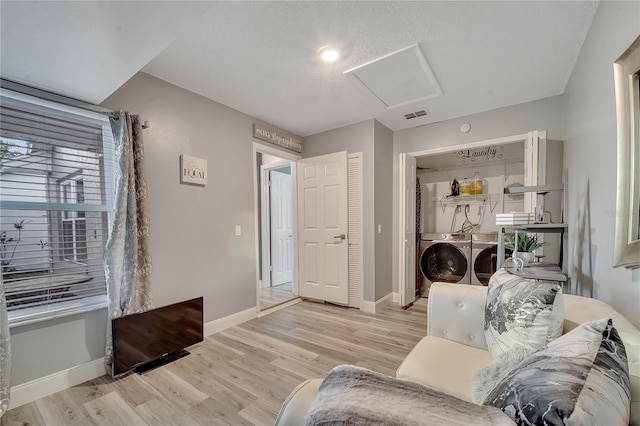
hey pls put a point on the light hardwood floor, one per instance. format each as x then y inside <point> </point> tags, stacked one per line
<point>239,376</point>
<point>275,295</point>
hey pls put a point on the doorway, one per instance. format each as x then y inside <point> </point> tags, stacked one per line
<point>443,166</point>
<point>308,186</point>
<point>275,221</point>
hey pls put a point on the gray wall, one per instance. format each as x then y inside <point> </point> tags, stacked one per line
<point>545,114</point>
<point>375,141</point>
<point>355,138</point>
<point>43,348</point>
<point>383,144</point>
<point>195,252</point>
<point>590,148</point>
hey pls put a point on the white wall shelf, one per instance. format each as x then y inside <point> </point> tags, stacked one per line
<point>537,227</point>
<point>462,200</point>
<point>541,272</point>
<point>538,189</point>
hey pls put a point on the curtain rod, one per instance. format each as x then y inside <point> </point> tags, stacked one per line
<point>43,94</point>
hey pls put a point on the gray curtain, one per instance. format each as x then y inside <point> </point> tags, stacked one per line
<point>5,354</point>
<point>127,256</point>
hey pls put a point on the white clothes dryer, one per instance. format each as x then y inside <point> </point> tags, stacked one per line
<point>484,255</point>
<point>445,258</point>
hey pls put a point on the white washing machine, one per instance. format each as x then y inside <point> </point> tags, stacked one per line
<point>484,255</point>
<point>444,258</point>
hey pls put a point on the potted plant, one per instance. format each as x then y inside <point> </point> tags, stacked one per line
<point>523,245</point>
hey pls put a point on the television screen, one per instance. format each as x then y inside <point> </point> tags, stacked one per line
<point>156,335</point>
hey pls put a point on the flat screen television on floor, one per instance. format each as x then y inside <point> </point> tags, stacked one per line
<point>149,339</point>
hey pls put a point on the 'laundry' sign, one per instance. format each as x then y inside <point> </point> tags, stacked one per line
<point>485,153</point>
<point>276,137</point>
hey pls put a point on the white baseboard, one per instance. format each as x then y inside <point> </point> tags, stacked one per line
<point>369,307</point>
<point>378,305</point>
<point>221,324</point>
<point>384,301</point>
<point>47,385</point>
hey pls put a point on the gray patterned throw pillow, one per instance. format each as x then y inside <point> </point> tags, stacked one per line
<point>521,312</point>
<point>581,378</point>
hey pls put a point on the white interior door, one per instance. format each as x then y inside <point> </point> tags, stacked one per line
<point>407,216</point>
<point>281,228</point>
<point>322,228</point>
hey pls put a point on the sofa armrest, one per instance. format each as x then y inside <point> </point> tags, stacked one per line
<point>295,407</point>
<point>456,312</point>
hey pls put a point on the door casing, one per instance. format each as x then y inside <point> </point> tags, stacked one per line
<point>292,158</point>
<point>400,262</point>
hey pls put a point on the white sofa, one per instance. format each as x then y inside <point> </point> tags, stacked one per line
<point>455,348</point>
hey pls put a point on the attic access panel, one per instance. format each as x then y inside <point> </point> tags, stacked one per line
<point>399,78</point>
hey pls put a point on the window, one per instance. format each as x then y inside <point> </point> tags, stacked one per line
<point>74,225</point>
<point>55,195</point>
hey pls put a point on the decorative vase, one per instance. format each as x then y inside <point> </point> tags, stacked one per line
<point>526,257</point>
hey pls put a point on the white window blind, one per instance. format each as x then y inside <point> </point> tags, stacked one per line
<point>56,166</point>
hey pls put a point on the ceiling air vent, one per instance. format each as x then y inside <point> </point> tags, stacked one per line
<point>411,115</point>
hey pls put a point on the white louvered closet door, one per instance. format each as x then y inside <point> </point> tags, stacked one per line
<point>354,194</point>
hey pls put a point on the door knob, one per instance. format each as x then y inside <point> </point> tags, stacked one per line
<point>341,236</point>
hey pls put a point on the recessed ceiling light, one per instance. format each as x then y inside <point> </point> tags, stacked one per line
<point>329,54</point>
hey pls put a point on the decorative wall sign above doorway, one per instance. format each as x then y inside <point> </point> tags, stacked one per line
<point>276,137</point>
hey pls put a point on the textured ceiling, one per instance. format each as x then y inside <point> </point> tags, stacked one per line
<point>261,57</point>
<point>86,49</point>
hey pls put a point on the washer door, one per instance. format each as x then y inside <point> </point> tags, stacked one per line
<point>443,262</point>
<point>485,263</point>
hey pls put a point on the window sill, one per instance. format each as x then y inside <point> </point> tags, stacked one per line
<point>38,314</point>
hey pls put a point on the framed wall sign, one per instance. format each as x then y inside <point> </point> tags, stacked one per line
<point>193,170</point>
<point>276,137</point>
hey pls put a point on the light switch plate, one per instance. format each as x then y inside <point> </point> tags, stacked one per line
<point>238,230</point>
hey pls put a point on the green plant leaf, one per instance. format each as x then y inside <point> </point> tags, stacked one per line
<point>526,242</point>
